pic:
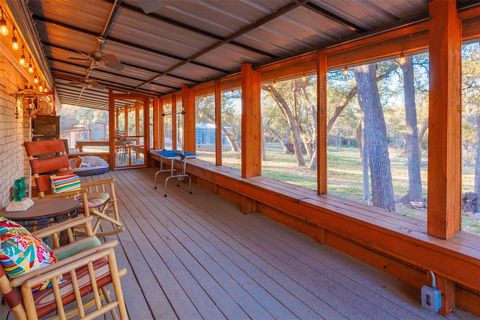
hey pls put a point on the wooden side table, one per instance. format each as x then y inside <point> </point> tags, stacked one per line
<point>45,212</point>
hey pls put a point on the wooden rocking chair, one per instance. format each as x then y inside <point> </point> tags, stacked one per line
<point>49,157</point>
<point>85,270</point>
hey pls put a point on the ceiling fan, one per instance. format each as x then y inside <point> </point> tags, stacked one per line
<point>100,60</point>
<point>149,6</point>
<point>87,84</point>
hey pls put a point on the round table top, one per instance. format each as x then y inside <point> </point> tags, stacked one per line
<point>43,208</point>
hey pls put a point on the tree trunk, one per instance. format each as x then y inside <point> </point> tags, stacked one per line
<point>477,166</point>
<point>363,160</point>
<point>375,137</point>
<point>277,137</point>
<point>423,130</point>
<point>262,141</point>
<point>231,141</point>
<point>412,146</point>
<point>289,117</point>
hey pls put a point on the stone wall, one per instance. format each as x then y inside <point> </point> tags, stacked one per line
<point>13,162</point>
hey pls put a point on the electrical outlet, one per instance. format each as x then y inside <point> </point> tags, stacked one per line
<point>431,298</point>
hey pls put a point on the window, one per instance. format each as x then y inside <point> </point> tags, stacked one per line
<point>179,123</point>
<point>377,142</point>
<point>471,137</point>
<point>79,123</point>
<point>232,128</point>
<point>167,124</point>
<point>289,116</point>
<point>205,127</point>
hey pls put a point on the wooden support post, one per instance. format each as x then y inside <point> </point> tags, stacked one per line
<point>322,123</point>
<point>218,124</point>
<point>188,103</point>
<point>146,130</point>
<point>447,287</point>
<point>126,119</point>
<point>251,121</point>
<point>117,115</point>
<point>161,136</point>
<point>445,121</point>
<point>111,128</point>
<point>156,123</point>
<point>174,122</point>
<point>247,205</point>
<point>137,121</point>
<point>320,236</point>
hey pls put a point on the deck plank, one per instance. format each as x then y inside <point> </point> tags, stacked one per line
<point>198,257</point>
<point>316,282</point>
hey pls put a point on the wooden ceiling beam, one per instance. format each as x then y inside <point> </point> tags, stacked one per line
<point>193,29</point>
<point>126,43</point>
<point>279,12</point>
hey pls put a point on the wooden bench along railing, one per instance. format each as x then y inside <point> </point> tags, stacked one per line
<point>394,243</point>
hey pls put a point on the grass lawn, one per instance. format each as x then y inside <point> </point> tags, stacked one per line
<point>345,175</point>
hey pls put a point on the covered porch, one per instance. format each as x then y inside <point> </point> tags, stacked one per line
<point>334,148</point>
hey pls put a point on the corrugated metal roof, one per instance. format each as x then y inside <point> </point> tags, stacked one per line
<point>187,42</point>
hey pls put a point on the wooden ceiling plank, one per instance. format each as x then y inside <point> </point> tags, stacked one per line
<point>279,12</point>
<point>125,43</point>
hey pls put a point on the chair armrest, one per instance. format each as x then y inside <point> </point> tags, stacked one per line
<point>97,183</point>
<point>65,194</point>
<point>54,268</point>
<point>60,270</point>
<point>62,226</point>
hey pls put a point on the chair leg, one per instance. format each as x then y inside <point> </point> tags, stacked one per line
<point>106,295</point>
<point>117,286</point>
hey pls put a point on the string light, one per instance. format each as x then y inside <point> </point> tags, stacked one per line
<point>22,57</point>
<point>35,79</point>
<point>304,78</point>
<point>345,71</point>
<point>3,23</point>
<point>402,59</point>
<point>30,66</point>
<point>40,88</point>
<point>15,45</point>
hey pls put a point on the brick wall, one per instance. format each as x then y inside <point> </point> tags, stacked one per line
<point>13,162</point>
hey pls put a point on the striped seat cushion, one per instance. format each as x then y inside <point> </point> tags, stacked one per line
<point>97,199</point>
<point>45,299</point>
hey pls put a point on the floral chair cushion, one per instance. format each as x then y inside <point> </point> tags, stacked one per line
<point>22,252</point>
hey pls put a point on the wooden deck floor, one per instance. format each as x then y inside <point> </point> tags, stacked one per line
<point>198,257</point>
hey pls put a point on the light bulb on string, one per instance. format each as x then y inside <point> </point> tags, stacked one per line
<point>3,23</point>
<point>15,45</point>
<point>304,78</point>
<point>345,71</point>
<point>40,87</point>
<point>402,59</point>
<point>35,79</point>
<point>30,66</point>
<point>22,57</point>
